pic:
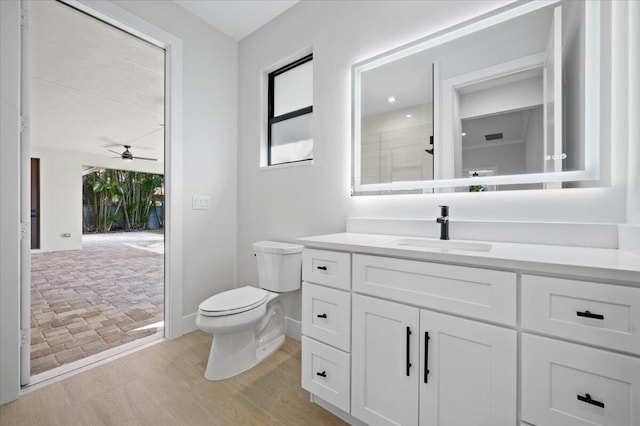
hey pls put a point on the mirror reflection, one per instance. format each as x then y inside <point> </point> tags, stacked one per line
<point>397,122</point>
<point>506,99</point>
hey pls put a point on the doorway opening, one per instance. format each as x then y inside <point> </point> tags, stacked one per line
<point>97,96</point>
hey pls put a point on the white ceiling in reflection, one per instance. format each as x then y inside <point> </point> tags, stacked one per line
<point>409,79</point>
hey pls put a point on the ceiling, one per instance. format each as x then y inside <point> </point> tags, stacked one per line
<point>236,18</point>
<point>93,87</point>
<point>514,126</point>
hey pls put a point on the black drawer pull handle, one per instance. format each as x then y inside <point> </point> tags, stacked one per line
<point>587,398</point>
<point>322,268</point>
<point>408,349</point>
<point>323,374</point>
<point>426,356</point>
<point>321,315</point>
<point>588,314</point>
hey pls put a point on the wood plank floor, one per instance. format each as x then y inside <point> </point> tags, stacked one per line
<point>165,385</point>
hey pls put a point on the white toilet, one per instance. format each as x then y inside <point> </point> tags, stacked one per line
<point>248,322</point>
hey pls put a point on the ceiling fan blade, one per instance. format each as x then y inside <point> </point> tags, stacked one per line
<point>145,158</point>
<point>119,153</point>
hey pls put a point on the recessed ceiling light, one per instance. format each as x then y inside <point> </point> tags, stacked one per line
<point>408,115</point>
<point>464,134</point>
<point>391,99</point>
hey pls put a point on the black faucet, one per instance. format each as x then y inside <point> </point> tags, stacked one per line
<point>443,220</point>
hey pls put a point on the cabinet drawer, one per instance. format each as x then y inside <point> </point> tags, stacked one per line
<point>474,292</point>
<point>326,372</point>
<point>326,315</point>
<point>566,384</point>
<point>601,314</point>
<point>329,268</point>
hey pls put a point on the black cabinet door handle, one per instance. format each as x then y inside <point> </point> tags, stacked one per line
<point>322,374</point>
<point>408,349</point>
<point>587,398</point>
<point>321,315</point>
<point>322,268</point>
<point>588,314</point>
<point>426,356</point>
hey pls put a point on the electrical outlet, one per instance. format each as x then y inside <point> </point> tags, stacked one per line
<point>201,202</point>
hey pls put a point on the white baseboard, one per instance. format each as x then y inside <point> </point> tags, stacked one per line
<point>189,323</point>
<point>293,328</point>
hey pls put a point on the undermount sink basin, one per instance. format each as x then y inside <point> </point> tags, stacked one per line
<point>444,244</point>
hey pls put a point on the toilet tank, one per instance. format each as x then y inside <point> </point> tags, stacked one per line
<point>279,265</point>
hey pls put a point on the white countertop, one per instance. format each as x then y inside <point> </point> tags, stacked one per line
<point>597,263</point>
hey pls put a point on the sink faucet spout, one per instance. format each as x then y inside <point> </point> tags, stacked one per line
<point>443,220</point>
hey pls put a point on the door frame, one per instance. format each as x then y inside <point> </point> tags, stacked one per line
<point>126,21</point>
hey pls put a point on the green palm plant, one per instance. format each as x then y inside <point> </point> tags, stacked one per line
<point>116,194</point>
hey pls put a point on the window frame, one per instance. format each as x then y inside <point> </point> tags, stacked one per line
<point>271,119</point>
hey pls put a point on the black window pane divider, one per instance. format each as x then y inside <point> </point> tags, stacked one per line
<point>292,114</point>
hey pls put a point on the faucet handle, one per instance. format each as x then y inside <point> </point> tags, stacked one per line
<point>444,210</point>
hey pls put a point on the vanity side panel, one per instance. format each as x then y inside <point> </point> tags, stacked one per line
<point>478,293</point>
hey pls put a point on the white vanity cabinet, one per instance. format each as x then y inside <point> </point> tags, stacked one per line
<point>326,325</point>
<point>423,342</point>
<point>386,363</point>
<point>468,372</point>
<point>573,383</point>
<point>413,366</point>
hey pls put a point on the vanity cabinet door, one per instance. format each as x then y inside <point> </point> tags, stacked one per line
<point>467,372</point>
<point>385,363</point>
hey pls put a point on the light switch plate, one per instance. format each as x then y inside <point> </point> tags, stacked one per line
<point>201,202</point>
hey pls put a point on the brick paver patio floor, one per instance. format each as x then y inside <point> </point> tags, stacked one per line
<point>86,301</point>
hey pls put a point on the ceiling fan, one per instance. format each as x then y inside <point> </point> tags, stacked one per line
<point>128,156</point>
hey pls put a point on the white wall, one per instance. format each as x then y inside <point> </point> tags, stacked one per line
<point>209,156</point>
<point>508,159</point>
<point>629,86</point>
<point>534,145</point>
<point>9,199</point>
<point>288,203</point>
<point>60,200</point>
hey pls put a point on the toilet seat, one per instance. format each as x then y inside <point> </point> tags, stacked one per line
<point>233,301</point>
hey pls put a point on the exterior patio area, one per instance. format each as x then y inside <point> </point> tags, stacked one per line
<point>86,301</point>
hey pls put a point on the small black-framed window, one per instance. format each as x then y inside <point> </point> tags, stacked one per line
<point>290,130</point>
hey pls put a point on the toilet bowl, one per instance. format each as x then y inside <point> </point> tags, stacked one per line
<point>247,323</point>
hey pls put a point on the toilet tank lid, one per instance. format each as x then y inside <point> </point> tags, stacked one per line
<point>277,247</point>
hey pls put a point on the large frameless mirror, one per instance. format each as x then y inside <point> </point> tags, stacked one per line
<point>507,101</point>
